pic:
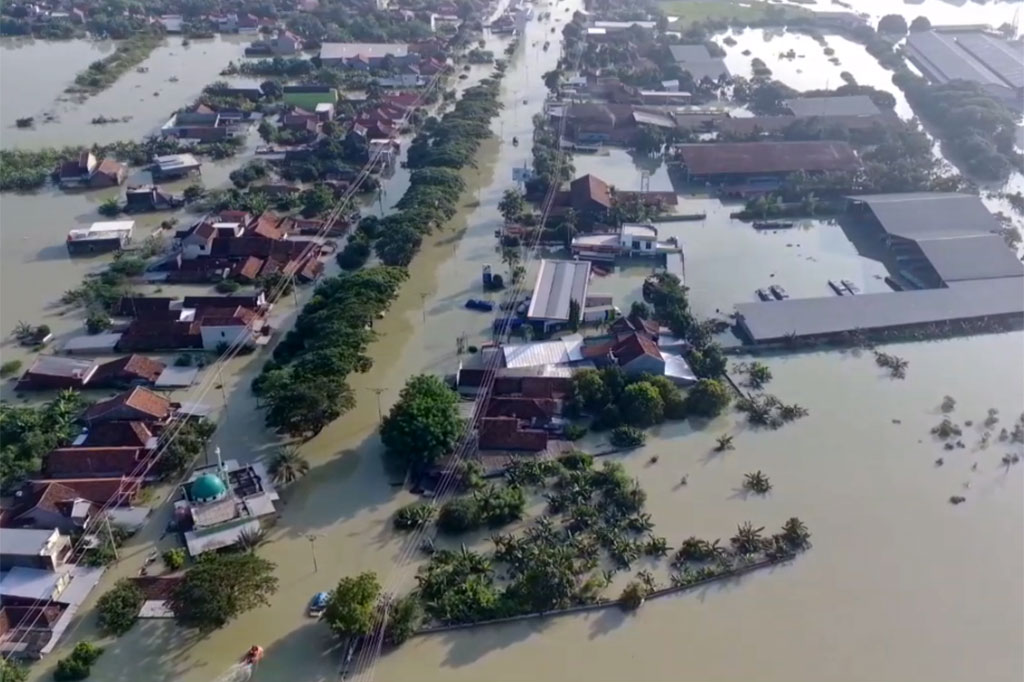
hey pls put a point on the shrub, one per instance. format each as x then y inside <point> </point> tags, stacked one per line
<point>227,286</point>
<point>627,437</point>
<point>354,255</point>
<point>78,665</point>
<point>609,418</point>
<point>174,558</point>
<point>575,431</point>
<point>10,367</point>
<point>97,321</point>
<point>641,405</point>
<point>183,360</point>
<point>458,515</point>
<point>109,208</point>
<point>415,515</point>
<point>708,398</point>
<point>577,461</point>
<point>633,596</point>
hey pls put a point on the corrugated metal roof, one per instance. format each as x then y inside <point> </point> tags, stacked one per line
<point>977,257</point>
<point>558,283</point>
<point>775,320</point>
<point>930,215</point>
<point>714,158</point>
<point>558,352</point>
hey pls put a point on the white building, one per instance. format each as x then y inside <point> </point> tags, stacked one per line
<point>638,240</point>
<point>30,548</point>
<point>560,283</point>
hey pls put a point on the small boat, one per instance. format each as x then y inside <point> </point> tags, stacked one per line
<point>850,286</point>
<point>767,225</point>
<point>318,604</point>
<point>253,655</point>
<point>763,295</point>
<point>838,288</point>
<point>778,292</point>
<point>479,304</point>
<point>515,141</point>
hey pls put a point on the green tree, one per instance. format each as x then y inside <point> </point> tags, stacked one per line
<point>641,405</point>
<point>119,607</point>
<point>574,314</point>
<point>287,465</point>
<point>220,587</point>
<point>271,89</point>
<point>174,558</point>
<point>511,205</point>
<point>317,201</point>
<point>193,193</point>
<point>352,606</point>
<point>405,615</point>
<point>708,398</point>
<point>78,665</point>
<point>424,424</point>
<point>590,391</point>
<point>893,24</point>
<point>11,671</point>
<point>304,407</point>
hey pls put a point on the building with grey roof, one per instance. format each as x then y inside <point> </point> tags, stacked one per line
<point>946,241</point>
<point>992,62</point>
<point>698,61</point>
<point>847,105</point>
<point>559,282</point>
<point>367,54</point>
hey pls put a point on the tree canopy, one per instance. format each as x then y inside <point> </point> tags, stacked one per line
<point>220,587</point>
<point>708,398</point>
<point>352,605</point>
<point>424,424</point>
<point>119,607</point>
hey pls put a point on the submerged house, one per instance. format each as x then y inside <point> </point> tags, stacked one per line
<point>87,171</point>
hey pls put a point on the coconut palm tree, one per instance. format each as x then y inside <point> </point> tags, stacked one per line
<point>723,443</point>
<point>795,533</point>
<point>250,539</point>
<point>747,539</point>
<point>757,482</point>
<point>287,465</point>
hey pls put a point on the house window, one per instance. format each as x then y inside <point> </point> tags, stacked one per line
<point>222,334</point>
<point>648,245</point>
<point>636,244</point>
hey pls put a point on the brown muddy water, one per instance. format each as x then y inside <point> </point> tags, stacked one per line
<point>899,585</point>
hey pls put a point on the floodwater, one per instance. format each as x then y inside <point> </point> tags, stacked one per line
<point>899,585</point>
<point>149,98</point>
<point>810,69</point>
<point>939,12</point>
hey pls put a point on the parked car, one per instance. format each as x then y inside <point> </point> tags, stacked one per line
<point>318,604</point>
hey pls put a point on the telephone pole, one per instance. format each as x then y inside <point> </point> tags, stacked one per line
<point>380,412</point>
<point>312,548</point>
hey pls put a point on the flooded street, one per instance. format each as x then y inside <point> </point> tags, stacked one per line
<point>899,584</point>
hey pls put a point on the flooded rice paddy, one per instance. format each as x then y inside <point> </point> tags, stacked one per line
<point>899,585</point>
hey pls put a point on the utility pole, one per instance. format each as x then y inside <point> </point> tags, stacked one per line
<point>312,548</point>
<point>380,412</point>
<point>110,536</point>
<point>423,304</point>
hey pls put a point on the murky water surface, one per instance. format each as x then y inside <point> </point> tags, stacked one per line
<point>900,585</point>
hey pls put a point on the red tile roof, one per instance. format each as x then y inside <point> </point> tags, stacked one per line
<point>523,408</point>
<point>84,462</point>
<point>224,317</point>
<point>139,400</point>
<point>250,268</point>
<point>32,617</point>
<point>157,588</point>
<point>154,335</point>
<point>121,489</point>
<point>267,227</point>
<point>504,433</point>
<point>47,498</point>
<point>128,369</point>
<point>118,434</point>
<point>590,188</point>
<point>633,346</point>
<point>234,217</point>
<point>110,167</point>
<point>204,231</point>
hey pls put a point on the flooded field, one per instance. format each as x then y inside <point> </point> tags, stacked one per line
<point>940,12</point>
<point>810,68</point>
<point>899,585</point>
<point>149,98</point>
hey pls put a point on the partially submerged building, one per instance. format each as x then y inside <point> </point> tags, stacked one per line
<point>101,237</point>
<point>221,502</point>
<point>725,163</point>
<point>561,285</point>
<point>944,243</point>
<point>971,55</point>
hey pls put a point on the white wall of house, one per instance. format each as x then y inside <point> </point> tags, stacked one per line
<point>214,335</point>
<point>639,246</point>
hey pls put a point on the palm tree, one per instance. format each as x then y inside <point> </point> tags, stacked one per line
<point>23,330</point>
<point>250,539</point>
<point>795,533</point>
<point>288,465</point>
<point>757,482</point>
<point>569,226</point>
<point>747,539</point>
<point>723,443</point>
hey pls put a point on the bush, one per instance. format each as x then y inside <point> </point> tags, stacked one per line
<point>609,418</point>
<point>174,558</point>
<point>119,607</point>
<point>227,286</point>
<point>183,360</point>
<point>575,431</point>
<point>415,515</point>
<point>10,367</point>
<point>458,516</point>
<point>109,208</point>
<point>78,665</point>
<point>97,321</point>
<point>708,398</point>
<point>577,461</point>
<point>627,437</point>
<point>633,596</point>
